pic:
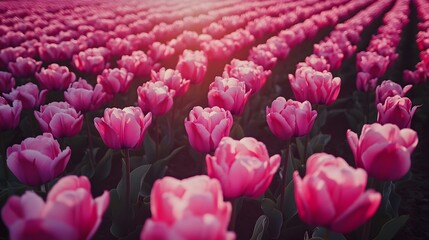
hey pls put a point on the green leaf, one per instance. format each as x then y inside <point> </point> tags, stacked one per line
<point>120,217</point>
<point>104,166</point>
<point>149,146</point>
<point>289,210</point>
<point>390,228</point>
<point>260,228</point>
<point>136,176</point>
<point>318,143</point>
<point>275,217</point>
<point>320,232</point>
<point>237,131</point>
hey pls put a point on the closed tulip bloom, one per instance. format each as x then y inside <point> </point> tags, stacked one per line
<point>396,110</point>
<point>37,160</point>
<point>315,86</point>
<point>115,80</point>
<point>383,150</point>
<point>365,82</point>
<point>229,94</point>
<point>331,52</point>
<point>155,97</point>
<point>7,82</point>
<point>243,167</point>
<point>123,128</point>
<point>263,58</point>
<point>137,63</point>
<point>248,72</point>
<point>60,119</point>
<point>317,63</point>
<point>83,97</point>
<point>55,77</point>
<point>28,94</point>
<point>288,119</point>
<point>70,212</point>
<point>389,89</point>
<point>207,126</point>
<point>332,194</point>
<point>9,115</point>
<point>24,67</point>
<point>417,76</point>
<point>192,65</point>
<point>173,79</point>
<point>178,206</point>
<point>92,60</point>
<point>159,52</point>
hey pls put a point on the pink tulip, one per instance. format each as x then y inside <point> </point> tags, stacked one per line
<point>51,52</point>
<point>137,63</point>
<point>123,128</point>
<point>248,72</point>
<point>243,167</point>
<point>83,97</point>
<point>389,89</point>
<point>119,47</point>
<point>10,54</point>
<point>331,52</point>
<point>417,76</point>
<point>278,47</point>
<point>60,119</point>
<point>217,49</point>
<point>332,194</point>
<point>317,63</point>
<point>314,86</point>
<point>396,110</point>
<point>206,127</point>
<point>37,160</point>
<point>383,150</point>
<point>9,115</point>
<point>70,212</point>
<point>192,65</point>
<point>229,94</point>
<point>55,77</point>
<point>24,67</point>
<point>365,82</point>
<point>372,63</point>
<point>115,80</point>
<point>7,82</point>
<point>173,79</point>
<point>178,206</point>
<point>155,97</point>
<point>288,119</point>
<point>92,60</point>
<point>263,58</point>
<point>28,94</point>
<point>159,52</point>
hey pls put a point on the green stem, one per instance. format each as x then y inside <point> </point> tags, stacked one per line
<point>235,205</point>
<point>3,161</point>
<point>127,177</point>
<point>284,172</point>
<point>90,143</point>
<point>367,227</point>
<point>157,138</point>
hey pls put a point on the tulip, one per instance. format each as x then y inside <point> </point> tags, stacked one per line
<point>60,119</point>
<point>229,94</point>
<point>24,67</point>
<point>9,115</point>
<point>314,86</point>
<point>288,119</point>
<point>173,79</point>
<point>83,97</point>
<point>55,77</point>
<point>332,194</point>
<point>331,52</point>
<point>396,110</point>
<point>137,63</point>
<point>123,128</point>
<point>155,97</point>
<point>159,52</point>
<point>365,82</point>
<point>417,76</point>
<point>192,65</point>
<point>37,160</point>
<point>7,82</point>
<point>51,52</point>
<point>206,127</point>
<point>383,150</point>
<point>248,72</point>
<point>70,212</point>
<point>28,94</point>
<point>178,206</point>
<point>243,167</point>
<point>317,63</point>
<point>389,89</point>
<point>115,80</point>
<point>263,58</point>
<point>119,47</point>
<point>372,63</point>
<point>92,60</point>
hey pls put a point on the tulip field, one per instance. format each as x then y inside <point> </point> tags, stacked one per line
<point>214,120</point>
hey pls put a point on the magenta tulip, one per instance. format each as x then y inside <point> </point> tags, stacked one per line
<point>115,80</point>
<point>28,94</point>
<point>192,65</point>
<point>123,128</point>
<point>37,160</point>
<point>155,97</point>
<point>137,63</point>
<point>7,82</point>
<point>70,212</point>
<point>24,67</point>
<point>207,126</point>
<point>173,79</point>
<point>396,110</point>
<point>60,119</point>
<point>332,194</point>
<point>9,115</point>
<point>384,151</point>
<point>229,94</point>
<point>83,97</point>
<point>253,75</point>
<point>55,77</point>
<point>243,167</point>
<point>178,206</point>
<point>288,119</point>
<point>389,89</point>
